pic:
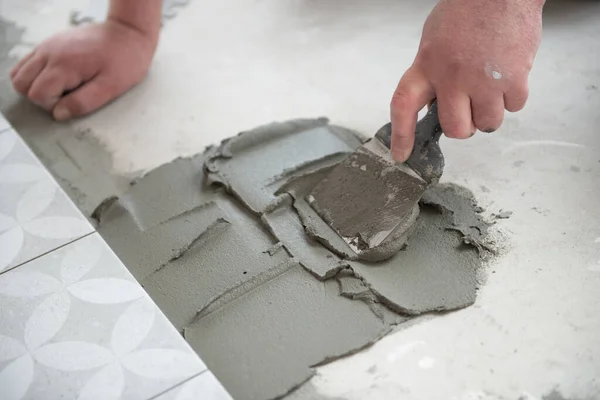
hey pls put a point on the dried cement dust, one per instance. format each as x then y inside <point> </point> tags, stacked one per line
<point>220,243</point>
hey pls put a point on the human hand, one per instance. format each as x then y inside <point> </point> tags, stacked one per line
<point>474,57</point>
<point>78,71</point>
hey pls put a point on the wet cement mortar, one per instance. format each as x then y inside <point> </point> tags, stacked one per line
<point>219,241</point>
<point>226,245</point>
<point>80,164</point>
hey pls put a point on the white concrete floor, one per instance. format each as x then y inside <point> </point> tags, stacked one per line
<point>229,65</point>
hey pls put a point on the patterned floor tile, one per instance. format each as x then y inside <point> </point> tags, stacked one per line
<point>205,387</point>
<point>35,214</point>
<point>74,323</point>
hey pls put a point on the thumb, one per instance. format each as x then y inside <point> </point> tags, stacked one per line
<point>412,94</point>
<point>85,99</point>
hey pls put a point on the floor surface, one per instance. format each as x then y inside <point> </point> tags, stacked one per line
<point>74,322</point>
<point>227,66</point>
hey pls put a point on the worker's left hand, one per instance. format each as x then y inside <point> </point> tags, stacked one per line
<point>78,71</point>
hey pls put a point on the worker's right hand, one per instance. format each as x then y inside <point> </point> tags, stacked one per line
<point>474,57</point>
<point>80,70</point>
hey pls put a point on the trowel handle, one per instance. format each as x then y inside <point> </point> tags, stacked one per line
<point>427,158</point>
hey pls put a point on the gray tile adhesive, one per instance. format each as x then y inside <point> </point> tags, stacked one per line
<point>226,245</point>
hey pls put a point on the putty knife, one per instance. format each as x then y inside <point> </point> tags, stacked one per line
<point>369,195</point>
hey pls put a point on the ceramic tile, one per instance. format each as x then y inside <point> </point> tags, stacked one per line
<point>4,125</point>
<point>74,323</point>
<point>35,214</point>
<point>205,387</point>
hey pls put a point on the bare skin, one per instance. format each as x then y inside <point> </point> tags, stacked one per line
<point>474,57</point>
<point>93,64</point>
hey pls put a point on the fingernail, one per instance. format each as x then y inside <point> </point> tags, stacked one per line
<point>61,114</point>
<point>400,154</point>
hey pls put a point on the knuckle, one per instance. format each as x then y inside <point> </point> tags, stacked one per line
<point>527,64</point>
<point>20,85</point>
<point>454,67</point>
<point>431,53</point>
<point>426,52</point>
<point>37,94</point>
<point>402,98</point>
<point>456,129</point>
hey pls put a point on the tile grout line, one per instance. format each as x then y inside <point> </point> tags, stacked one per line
<point>51,177</point>
<point>32,153</point>
<point>47,252</point>
<point>93,231</point>
<point>178,385</point>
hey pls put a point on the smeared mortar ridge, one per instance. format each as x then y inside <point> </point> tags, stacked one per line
<point>275,248</point>
<point>196,209</point>
<point>243,289</point>
<point>102,208</point>
<point>307,168</point>
<point>182,250</point>
<point>279,201</point>
<point>329,275</point>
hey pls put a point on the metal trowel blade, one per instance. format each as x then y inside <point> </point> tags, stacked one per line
<point>367,196</point>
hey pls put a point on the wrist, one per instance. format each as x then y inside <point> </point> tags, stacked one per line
<point>142,16</point>
<point>150,36</point>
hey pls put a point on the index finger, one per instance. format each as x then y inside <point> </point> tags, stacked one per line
<point>412,94</point>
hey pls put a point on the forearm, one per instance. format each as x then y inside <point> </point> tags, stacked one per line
<point>142,15</point>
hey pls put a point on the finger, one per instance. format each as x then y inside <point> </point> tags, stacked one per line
<point>516,97</point>
<point>488,112</point>
<point>411,95</point>
<point>27,73</point>
<point>21,62</point>
<point>454,112</point>
<point>47,88</point>
<point>87,98</point>
<point>50,85</point>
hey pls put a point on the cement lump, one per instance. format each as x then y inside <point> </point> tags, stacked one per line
<point>219,242</point>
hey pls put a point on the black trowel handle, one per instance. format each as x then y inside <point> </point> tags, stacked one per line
<point>426,159</point>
